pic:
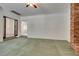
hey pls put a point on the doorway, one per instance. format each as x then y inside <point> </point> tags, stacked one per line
<point>24,28</point>
<point>10,27</point>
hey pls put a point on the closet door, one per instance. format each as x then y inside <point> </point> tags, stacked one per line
<point>9,27</point>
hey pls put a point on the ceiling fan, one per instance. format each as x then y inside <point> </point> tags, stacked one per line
<point>32,5</point>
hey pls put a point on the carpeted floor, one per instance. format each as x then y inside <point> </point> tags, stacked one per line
<point>35,47</point>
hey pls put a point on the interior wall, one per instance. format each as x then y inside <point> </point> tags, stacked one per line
<point>24,28</point>
<point>1,30</point>
<point>49,26</point>
<point>1,24</point>
<point>57,26</point>
<point>19,28</point>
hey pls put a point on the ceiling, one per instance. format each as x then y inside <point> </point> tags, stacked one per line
<point>43,8</point>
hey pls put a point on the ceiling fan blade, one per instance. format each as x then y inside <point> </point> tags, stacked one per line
<point>27,5</point>
<point>34,6</point>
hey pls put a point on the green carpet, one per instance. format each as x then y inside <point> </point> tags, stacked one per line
<point>35,47</point>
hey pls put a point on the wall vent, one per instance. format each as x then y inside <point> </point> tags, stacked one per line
<point>15,12</point>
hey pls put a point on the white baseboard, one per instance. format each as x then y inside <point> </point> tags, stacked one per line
<point>1,39</point>
<point>68,40</point>
<point>18,36</point>
<point>46,38</point>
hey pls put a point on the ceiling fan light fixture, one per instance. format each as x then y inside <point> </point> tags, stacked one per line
<point>27,5</point>
<point>35,5</point>
<point>31,4</point>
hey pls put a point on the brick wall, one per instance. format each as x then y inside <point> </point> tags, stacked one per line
<point>75,26</point>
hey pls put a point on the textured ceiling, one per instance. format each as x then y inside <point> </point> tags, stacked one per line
<point>43,8</point>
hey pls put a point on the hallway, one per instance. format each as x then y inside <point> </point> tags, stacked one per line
<point>35,47</point>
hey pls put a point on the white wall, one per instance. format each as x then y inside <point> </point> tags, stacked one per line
<point>1,30</point>
<point>57,26</point>
<point>24,28</point>
<point>19,28</point>
<point>1,24</point>
<point>50,26</point>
